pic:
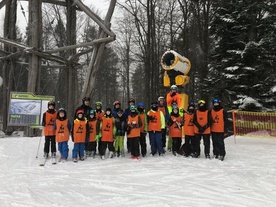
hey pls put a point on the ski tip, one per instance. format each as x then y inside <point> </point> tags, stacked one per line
<point>41,164</point>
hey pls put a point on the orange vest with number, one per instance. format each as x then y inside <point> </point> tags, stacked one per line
<point>92,130</point>
<point>134,132</point>
<point>79,130</point>
<point>218,121</point>
<point>202,120</point>
<point>50,119</point>
<point>107,129</point>
<point>188,124</point>
<point>155,124</point>
<point>62,131</point>
<point>175,132</point>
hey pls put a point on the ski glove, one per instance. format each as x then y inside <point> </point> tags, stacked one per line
<point>201,130</point>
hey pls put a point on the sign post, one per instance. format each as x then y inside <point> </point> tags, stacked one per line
<point>26,109</point>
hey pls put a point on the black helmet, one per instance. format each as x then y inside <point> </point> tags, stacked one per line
<point>86,99</point>
<point>51,103</point>
<point>60,110</point>
<point>131,100</point>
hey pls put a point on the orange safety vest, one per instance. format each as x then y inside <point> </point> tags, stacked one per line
<point>79,130</point>
<point>202,120</point>
<point>188,124</point>
<point>99,115</point>
<point>155,124</point>
<point>92,130</point>
<point>50,119</point>
<point>175,132</point>
<point>134,132</point>
<point>62,131</point>
<point>142,117</point>
<point>176,98</point>
<point>107,129</point>
<point>163,109</point>
<point>218,121</point>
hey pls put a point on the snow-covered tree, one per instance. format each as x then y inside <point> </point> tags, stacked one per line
<point>244,53</point>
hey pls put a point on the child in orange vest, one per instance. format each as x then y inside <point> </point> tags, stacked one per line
<point>202,121</point>
<point>107,133</point>
<point>63,128</point>
<point>92,134</point>
<point>175,124</point>
<point>218,129</point>
<point>156,122</point>
<point>79,134</point>
<point>133,132</point>
<point>48,121</point>
<point>190,142</point>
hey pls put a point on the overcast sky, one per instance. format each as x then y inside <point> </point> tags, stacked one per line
<point>100,5</point>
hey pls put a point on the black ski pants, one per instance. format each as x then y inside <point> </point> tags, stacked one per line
<point>50,140</point>
<point>218,143</point>
<point>104,145</point>
<point>143,144</point>
<point>134,146</point>
<point>206,142</point>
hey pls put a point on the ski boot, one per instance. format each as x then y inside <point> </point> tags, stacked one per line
<point>111,154</point>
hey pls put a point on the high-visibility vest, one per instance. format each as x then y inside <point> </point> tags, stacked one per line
<point>99,115</point>
<point>134,132</point>
<point>173,129</point>
<point>155,123</point>
<point>62,131</point>
<point>107,129</point>
<point>50,119</point>
<point>202,120</point>
<point>142,127</point>
<point>92,130</point>
<point>188,124</point>
<point>218,121</point>
<point>79,130</point>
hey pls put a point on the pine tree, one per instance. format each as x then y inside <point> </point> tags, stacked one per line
<point>244,53</point>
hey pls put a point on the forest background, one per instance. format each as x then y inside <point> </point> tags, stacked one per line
<point>231,45</point>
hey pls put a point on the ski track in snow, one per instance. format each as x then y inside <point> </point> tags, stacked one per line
<point>245,178</point>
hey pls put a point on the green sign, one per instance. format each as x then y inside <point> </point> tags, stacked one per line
<point>26,109</point>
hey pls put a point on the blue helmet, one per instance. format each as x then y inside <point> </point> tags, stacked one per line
<point>141,105</point>
<point>216,100</point>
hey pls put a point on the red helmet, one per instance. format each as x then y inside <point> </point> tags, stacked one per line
<point>116,102</point>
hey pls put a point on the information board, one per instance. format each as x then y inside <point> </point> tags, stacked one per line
<point>26,109</point>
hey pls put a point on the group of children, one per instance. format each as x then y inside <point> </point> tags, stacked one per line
<point>96,130</point>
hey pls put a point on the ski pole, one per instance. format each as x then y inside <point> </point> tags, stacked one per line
<point>38,147</point>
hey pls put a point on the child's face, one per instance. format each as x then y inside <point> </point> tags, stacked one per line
<point>61,114</point>
<point>80,116</point>
<point>175,111</point>
<point>119,114</point>
<point>91,116</point>
<point>108,113</point>
<point>51,107</point>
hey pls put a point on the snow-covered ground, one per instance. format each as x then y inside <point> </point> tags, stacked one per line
<point>247,177</point>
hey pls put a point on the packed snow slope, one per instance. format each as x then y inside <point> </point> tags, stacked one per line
<point>247,177</point>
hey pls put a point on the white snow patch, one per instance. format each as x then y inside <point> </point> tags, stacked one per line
<point>245,178</point>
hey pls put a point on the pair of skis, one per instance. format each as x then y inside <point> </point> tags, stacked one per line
<point>53,161</point>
